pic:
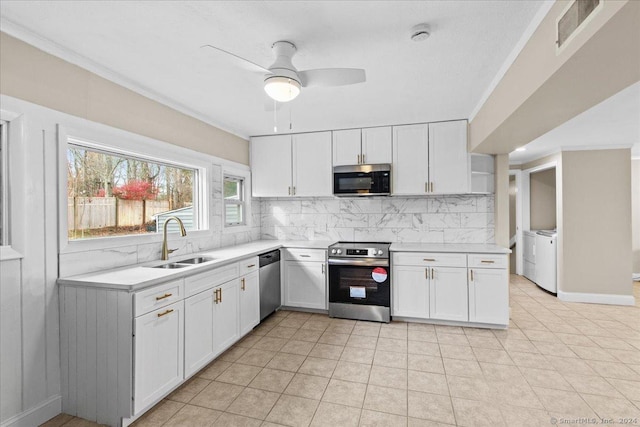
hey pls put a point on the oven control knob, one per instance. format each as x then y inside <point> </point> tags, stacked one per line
<point>339,251</point>
<point>333,251</point>
<point>380,252</point>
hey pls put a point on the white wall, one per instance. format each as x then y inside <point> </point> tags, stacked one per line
<point>29,328</point>
<point>635,213</point>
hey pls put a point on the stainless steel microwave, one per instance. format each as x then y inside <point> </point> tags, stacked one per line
<point>362,180</point>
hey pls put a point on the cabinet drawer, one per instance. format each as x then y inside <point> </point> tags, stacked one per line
<point>488,261</point>
<point>211,278</point>
<point>248,265</point>
<point>305,255</point>
<point>158,297</point>
<point>431,259</point>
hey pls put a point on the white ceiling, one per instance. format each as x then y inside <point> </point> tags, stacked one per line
<point>154,47</point>
<point>614,123</point>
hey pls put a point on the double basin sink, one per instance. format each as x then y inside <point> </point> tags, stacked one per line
<point>185,262</point>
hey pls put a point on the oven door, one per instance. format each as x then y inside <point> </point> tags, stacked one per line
<point>359,282</point>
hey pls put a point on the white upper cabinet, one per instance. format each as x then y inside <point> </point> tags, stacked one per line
<point>271,166</point>
<point>430,159</point>
<point>311,164</point>
<point>448,158</point>
<point>286,165</point>
<point>362,146</point>
<point>347,147</point>
<point>410,171</point>
<point>376,145</point>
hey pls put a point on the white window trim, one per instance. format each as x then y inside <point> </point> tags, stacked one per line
<point>242,202</point>
<point>246,176</point>
<point>120,142</point>
<point>14,193</point>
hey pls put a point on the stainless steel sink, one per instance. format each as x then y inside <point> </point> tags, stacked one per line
<point>197,260</point>
<point>171,265</point>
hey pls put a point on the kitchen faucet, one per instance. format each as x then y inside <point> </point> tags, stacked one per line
<point>165,249</point>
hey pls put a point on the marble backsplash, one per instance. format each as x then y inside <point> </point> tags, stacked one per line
<point>437,219</point>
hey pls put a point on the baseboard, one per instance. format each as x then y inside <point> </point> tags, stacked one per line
<point>596,298</point>
<point>36,415</point>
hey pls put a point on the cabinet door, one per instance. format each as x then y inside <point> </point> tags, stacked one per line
<point>158,352</point>
<point>376,145</point>
<point>448,157</point>
<point>312,175</point>
<point>271,166</point>
<point>346,147</point>
<point>410,159</point>
<point>198,331</point>
<point>249,302</point>
<point>489,296</point>
<point>448,299</point>
<point>410,292</point>
<point>305,284</point>
<point>226,328</point>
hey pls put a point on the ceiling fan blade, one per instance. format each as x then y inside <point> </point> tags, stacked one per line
<point>252,65</point>
<point>332,77</point>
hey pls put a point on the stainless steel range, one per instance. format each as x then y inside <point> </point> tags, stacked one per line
<point>360,281</point>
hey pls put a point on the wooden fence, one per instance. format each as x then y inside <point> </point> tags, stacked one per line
<point>98,212</point>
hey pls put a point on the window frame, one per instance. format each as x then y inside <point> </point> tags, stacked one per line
<point>118,142</point>
<point>5,232</point>
<point>242,202</point>
<point>245,175</point>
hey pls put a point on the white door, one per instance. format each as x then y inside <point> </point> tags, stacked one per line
<point>448,298</point>
<point>376,145</point>
<point>489,296</point>
<point>410,167</point>
<point>448,157</point>
<point>198,331</point>
<point>346,147</point>
<point>226,328</point>
<point>158,353</point>
<point>271,166</point>
<point>249,302</point>
<point>305,285</point>
<point>410,292</point>
<point>312,175</point>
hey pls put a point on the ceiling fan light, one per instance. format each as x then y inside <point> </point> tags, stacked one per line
<point>282,89</point>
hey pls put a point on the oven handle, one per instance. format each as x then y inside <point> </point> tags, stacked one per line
<point>359,262</point>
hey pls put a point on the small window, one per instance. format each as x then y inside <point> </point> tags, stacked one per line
<point>112,194</point>
<point>4,186</point>
<point>234,201</point>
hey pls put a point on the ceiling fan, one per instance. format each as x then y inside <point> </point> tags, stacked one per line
<point>283,81</point>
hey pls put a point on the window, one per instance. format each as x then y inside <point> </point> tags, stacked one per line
<point>234,201</point>
<point>4,186</point>
<point>113,194</point>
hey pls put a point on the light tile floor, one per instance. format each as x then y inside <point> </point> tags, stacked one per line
<point>556,361</point>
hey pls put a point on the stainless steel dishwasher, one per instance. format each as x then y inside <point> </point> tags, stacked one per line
<point>269,283</point>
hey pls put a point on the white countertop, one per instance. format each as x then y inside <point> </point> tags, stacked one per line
<point>479,248</point>
<point>133,278</point>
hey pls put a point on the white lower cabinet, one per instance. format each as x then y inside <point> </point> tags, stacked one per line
<point>410,291</point>
<point>199,347</point>
<point>226,323</point>
<point>489,295</point>
<point>448,293</point>
<point>249,296</point>
<point>158,350</point>
<point>305,281</point>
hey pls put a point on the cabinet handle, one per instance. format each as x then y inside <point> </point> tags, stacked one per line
<point>294,190</point>
<point>220,294</point>
<point>426,273</point>
<point>251,265</point>
<point>433,273</point>
<point>363,161</point>
<point>163,297</point>
<point>431,187</point>
<point>164,313</point>
<point>358,158</point>
<point>322,268</point>
<point>426,187</point>
<point>243,283</point>
<point>289,190</point>
<point>471,275</point>
<point>487,261</point>
<point>305,256</point>
<point>429,259</point>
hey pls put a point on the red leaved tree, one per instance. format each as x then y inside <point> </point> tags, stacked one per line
<point>136,190</point>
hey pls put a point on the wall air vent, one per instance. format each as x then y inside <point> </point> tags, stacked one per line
<point>573,17</point>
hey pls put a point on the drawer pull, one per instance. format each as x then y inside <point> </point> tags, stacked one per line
<point>487,261</point>
<point>252,265</point>
<point>429,259</point>
<point>163,297</point>
<point>164,313</point>
<point>305,256</point>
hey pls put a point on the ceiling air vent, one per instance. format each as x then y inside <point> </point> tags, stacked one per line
<point>573,17</point>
